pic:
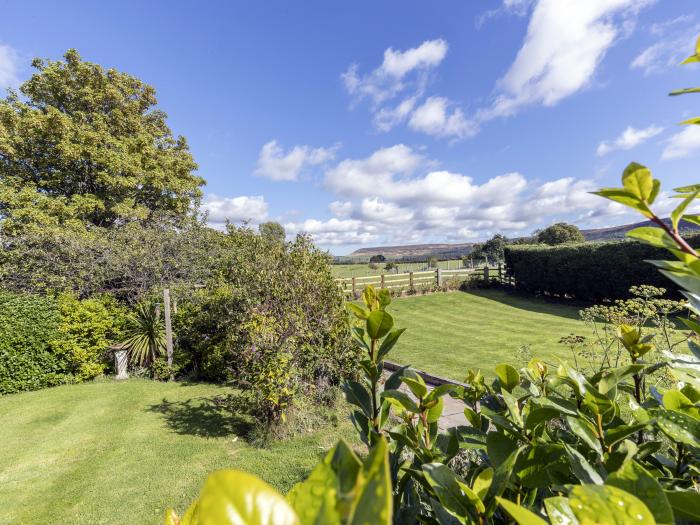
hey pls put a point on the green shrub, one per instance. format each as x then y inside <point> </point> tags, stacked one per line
<point>591,271</point>
<point>273,323</point>
<point>86,330</point>
<point>47,341</point>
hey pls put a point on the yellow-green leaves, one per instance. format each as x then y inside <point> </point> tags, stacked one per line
<point>508,376</point>
<point>234,497</point>
<point>677,213</point>
<point>631,338</point>
<point>379,323</point>
<point>637,180</point>
<point>653,236</point>
<point>639,189</point>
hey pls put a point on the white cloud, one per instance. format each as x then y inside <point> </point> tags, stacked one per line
<point>628,139</point>
<point>434,117</point>
<point>388,79</point>
<point>397,89</point>
<point>235,209</point>
<point>8,67</point>
<point>340,208</point>
<point>566,41</point>
<point>674,40</point>
<point>683,144</point>
<point>275,164</point>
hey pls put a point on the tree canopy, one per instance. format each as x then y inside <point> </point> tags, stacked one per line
<point>83,145</point>
<point>491,249</point>
<point>560,233</point>
<point>273,231</point>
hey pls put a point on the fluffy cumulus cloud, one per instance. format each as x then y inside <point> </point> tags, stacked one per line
<point>436,117</point>
<point>8,67</point>
<point>397,195</point>
<point>219,210</point>
<point>628,139</point>
<point>566,40</point>
<point>671,42</point>
<point>276,164</point>
<point>397,92</point>
<point>391,77</point>
<point>683,144</point>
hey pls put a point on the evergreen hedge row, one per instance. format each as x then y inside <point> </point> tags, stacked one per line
<point>590,271</point>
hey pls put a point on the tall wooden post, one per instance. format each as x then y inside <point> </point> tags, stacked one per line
<point>486,275</point>
<point>382,280</point>
<point>438,277</point>
<point>500,273</point>
<point>354,287</point>
<point>168,329</point>
<point>410,279</point>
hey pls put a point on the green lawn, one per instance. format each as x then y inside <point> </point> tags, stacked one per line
<point>448,333</point>
<point>109,452</point>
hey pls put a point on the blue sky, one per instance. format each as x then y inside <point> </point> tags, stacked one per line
<point>367,123</point>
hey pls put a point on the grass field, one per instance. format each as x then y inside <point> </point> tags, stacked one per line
<point>357,270</point>
<point>111,452</point>
<point>448,333</point>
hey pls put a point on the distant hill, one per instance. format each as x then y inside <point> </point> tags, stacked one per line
<point>455,251</point>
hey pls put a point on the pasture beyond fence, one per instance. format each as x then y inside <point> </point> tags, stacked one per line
<point>416,280</point>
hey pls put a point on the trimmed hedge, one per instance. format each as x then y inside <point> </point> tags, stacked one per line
<point>590,271</point>
<point>28,325</point>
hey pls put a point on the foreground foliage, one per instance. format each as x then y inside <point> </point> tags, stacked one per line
<point>542,446</point>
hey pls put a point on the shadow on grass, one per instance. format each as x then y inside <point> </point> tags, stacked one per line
<point>545,305</point>
<point>208,417</point>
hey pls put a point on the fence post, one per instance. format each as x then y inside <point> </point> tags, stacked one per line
<point>353,287</point>
<point>168,330</point>
<point>438,276</point>
<point>500,273</point>
<point>486,275</point>
<point>382,280</point>
<point>410,279</point>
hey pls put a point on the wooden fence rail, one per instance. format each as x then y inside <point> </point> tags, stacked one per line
<point>353,285</point>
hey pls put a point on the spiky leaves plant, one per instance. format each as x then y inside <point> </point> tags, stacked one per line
<point>145,335</point>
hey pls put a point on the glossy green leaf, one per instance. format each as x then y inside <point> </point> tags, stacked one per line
<point>234,497</point>
<point>400,400</point>
<point>435,411</point>
<point>316,496</point>
<point>679,426</point>
<point>685,504</point>
<point>521,515</point>
<point>677,400</point>
<point>389,342</point>
<point>369,297</point>
<point>592,503</point>
<point>379,323</point>
<point>374,503</point>
<point>653,236</point>
<point>581,467</point>
<point>585,431</point>
<point>677,213</point>
<point>508,376</point>
<point>690,121</point>
<point>358,311</point>
<point>625,198</point>
<point>559,511</point>
<point>617,433</point>
<point>635,479</point>
<point>415,383</point>
<point>455,496</point>
<point>637,180</point>
<point>357,395</point>
<point>482,482</point>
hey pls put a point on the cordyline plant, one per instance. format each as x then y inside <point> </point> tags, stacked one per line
<point>541,446</point>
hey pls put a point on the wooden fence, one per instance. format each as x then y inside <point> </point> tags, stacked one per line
<point>436,277</point>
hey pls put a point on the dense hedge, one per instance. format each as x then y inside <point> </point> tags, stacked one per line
<point>590,271</point>
<point>47,341</point>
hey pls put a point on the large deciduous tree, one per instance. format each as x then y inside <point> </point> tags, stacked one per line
<point>81,144</point>
<point>560,233</point>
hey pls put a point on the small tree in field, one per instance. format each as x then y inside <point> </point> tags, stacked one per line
<point>560,233</point>
<point>273,231</point>
<point>379,258</point>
